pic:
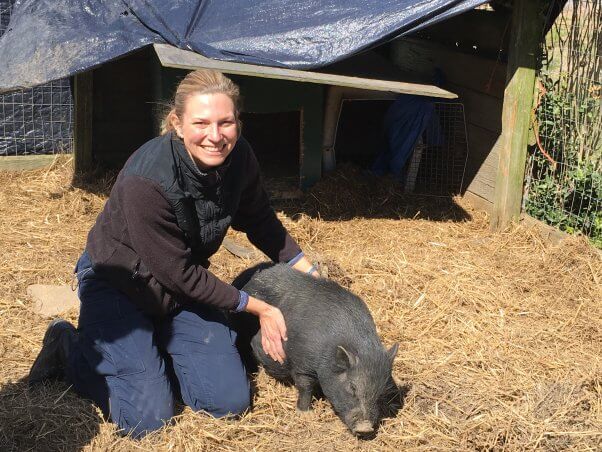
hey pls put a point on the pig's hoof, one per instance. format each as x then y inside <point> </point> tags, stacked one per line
<point>304,413</point>
<point>304,402</point>
<point>304,407</point>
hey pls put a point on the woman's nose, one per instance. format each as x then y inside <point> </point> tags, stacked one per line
<point>213,133</point>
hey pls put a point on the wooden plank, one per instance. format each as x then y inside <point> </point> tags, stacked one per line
<point>482,110</point>
<point>527,26</point>
<point>312,121</point>
<point>481,167</point>
<point>171,56</point>
<point>82,130</point>
<point>549,233</point>
<point>478,31</point>
<point>478,202</point>
<point>25,162</point>
<point>371,65</point>
<point>421,58</point>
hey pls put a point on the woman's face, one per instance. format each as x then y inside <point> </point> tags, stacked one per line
<point>208,128</point>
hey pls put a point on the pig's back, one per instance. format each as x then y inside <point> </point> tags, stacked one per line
<point>319,313</point>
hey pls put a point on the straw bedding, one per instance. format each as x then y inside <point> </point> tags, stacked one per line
<point>500,333</point>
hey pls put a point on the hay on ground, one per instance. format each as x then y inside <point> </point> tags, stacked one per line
<point>500,333</point>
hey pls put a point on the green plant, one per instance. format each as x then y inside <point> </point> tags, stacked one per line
<point>564,177</point>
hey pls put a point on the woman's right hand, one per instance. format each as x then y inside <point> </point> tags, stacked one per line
<point>273,328</point>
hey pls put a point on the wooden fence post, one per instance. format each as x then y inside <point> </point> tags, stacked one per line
<point>526,33</point>
<point>82,129</point>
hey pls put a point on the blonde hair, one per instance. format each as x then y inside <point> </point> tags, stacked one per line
<point>201,81</point>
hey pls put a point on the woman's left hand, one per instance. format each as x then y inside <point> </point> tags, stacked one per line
<point>273,328</point>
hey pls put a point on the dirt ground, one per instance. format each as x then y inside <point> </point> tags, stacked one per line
<point>500,333</point>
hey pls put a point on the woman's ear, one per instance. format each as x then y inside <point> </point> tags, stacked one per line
<point>176,123</point>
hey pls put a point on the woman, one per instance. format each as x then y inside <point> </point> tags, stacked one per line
<point>152,320</point>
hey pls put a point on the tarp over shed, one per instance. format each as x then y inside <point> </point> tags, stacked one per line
<point>51,39</point>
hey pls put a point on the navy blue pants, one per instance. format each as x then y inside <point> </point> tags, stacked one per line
<point>132,366</point>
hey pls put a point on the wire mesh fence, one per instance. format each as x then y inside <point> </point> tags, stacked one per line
<point>425,148</point>
<point>439,159</point>
<point>563,184</point>
<point>37,120</point>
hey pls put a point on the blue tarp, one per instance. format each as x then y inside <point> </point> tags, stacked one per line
<point>36,120</point>
<point>403,124</point>
<point>51,39</point>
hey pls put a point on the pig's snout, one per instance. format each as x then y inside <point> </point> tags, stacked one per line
<point>363,428</point>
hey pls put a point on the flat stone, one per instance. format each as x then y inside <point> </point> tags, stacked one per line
<point>25,162</point>
<point>239,250</point>
<point>50,301</point>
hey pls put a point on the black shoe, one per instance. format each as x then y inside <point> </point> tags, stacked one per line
<point>50,363</point>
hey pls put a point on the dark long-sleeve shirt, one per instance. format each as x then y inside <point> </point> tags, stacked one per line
<point>139,228</point>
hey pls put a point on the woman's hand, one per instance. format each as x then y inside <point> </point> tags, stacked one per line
<point>273,328</point>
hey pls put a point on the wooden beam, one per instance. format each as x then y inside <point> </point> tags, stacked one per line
<point>527,27</point>
<point>549,233</point>
<point>420,58</point>
<point>477,202</point>
<point>487,31</point>
<point>171,56</point>
<point>82,130</point>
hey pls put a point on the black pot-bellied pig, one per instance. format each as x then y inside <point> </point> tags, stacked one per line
<point>332,344</point>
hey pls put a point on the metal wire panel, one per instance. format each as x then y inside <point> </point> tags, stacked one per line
<point>37,120</point>
<point>439,160</point>
<point>437,163</point>
<point>563,184</point>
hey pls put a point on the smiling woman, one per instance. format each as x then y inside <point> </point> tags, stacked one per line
<point>152,315</point>
<point>208,128</point>
<point>205,116</point>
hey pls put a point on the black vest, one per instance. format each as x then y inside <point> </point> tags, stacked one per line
<point>204,202</point>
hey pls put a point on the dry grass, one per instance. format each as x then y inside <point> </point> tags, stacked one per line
<point>500,333</point>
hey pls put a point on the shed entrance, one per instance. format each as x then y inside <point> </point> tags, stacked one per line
<point>435,166</point>
<point>360,135</point>
<point>276,141</point>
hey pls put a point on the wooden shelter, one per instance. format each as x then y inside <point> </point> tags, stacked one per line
<point>487,56</point>
<point>123,102</point>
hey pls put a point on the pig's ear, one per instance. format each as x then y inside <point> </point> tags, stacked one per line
<point>392,352</point>
<point>344,360</point>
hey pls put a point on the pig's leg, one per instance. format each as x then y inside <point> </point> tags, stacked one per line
<point>305,385</point>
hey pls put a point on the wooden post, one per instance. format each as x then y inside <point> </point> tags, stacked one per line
<point>82,130</point>
<point>527,27</point>
<point>312,117</point>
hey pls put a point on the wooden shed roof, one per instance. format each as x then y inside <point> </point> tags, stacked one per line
<point>171,56</point>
